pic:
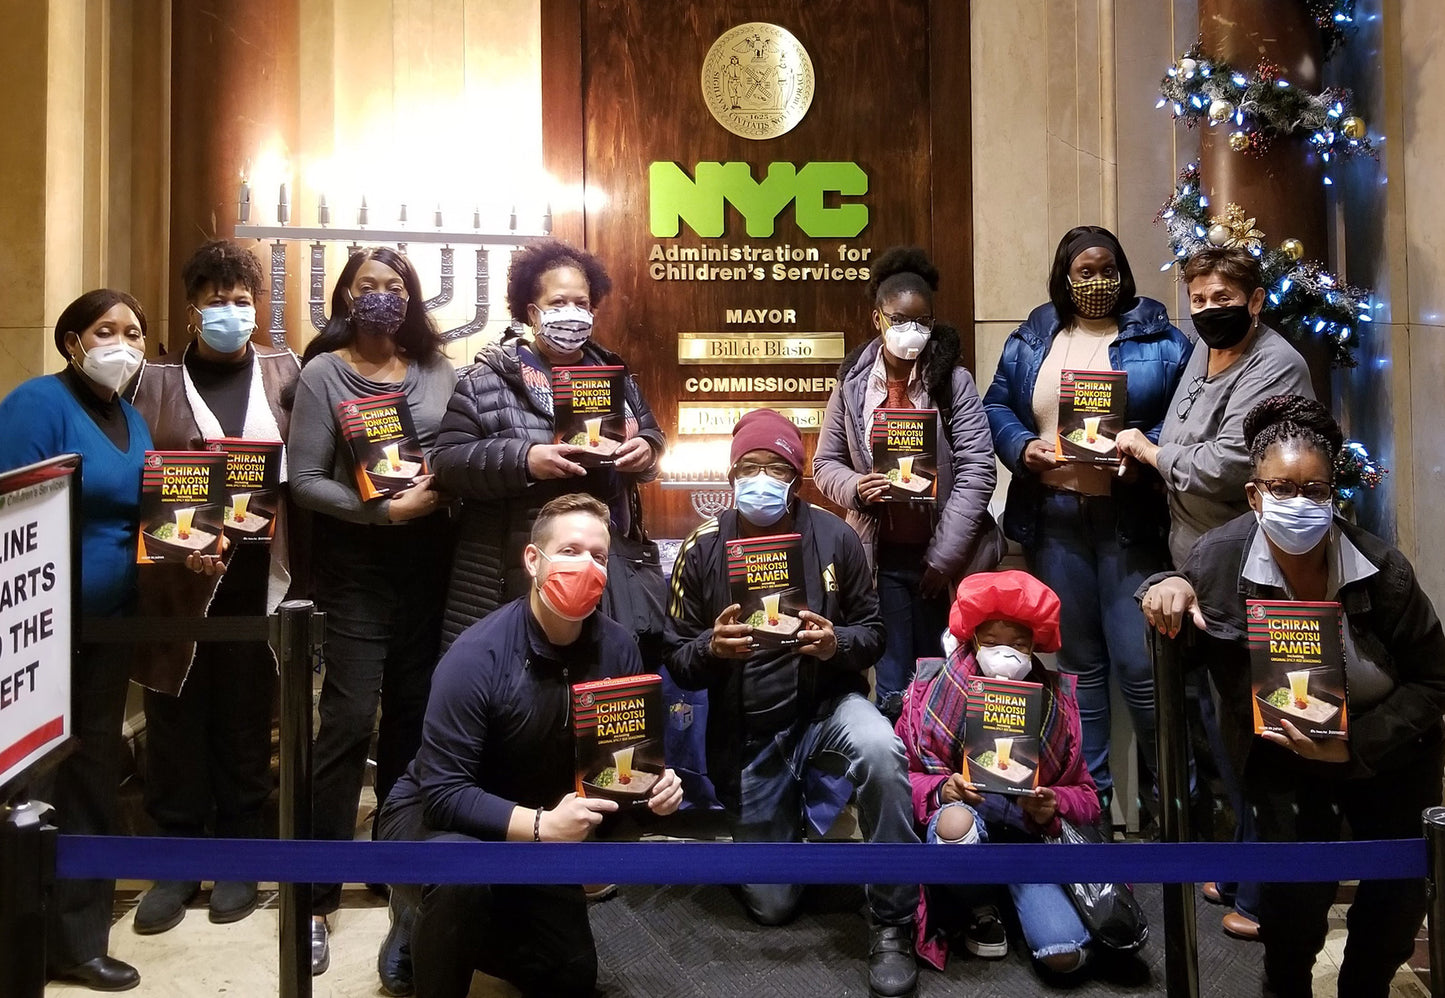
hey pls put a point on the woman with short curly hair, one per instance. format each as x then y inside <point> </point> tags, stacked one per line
<point>496,449</point>
<point>920,550</point>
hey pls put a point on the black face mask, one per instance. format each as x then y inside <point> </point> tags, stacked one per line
<point>1223,327</point>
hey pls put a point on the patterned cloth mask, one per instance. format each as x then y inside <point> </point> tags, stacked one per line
<point>378,312</point>
<point>1096,297</point>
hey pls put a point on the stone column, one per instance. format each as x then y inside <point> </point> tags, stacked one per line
<point>1282,187</point>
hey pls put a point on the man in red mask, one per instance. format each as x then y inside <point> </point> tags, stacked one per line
<point>496,763</point>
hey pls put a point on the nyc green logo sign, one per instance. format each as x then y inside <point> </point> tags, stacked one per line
<point>699,201</point>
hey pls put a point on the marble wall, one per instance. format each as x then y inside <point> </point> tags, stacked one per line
<point>1065,134</point>
<point>82,189</point>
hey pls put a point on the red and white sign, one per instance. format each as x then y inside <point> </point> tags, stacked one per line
<point>36,636</point>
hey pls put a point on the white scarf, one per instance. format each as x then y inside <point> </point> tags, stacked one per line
<point>260,424</point>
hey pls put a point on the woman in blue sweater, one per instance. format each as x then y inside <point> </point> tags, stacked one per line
<point>1089,532</point>
<point>102,337</point>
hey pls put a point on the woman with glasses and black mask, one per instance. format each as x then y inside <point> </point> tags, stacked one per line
<point>1092,533</point>
<point>1290,546</point>
<point>919,550</point>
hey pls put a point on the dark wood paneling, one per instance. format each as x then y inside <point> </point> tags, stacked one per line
<point>562,132</point>
<point>951,135</point>
<point>891,95</point>
<point>234,71</point>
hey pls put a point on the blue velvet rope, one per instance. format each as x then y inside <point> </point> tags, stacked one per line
<point>104,857</point>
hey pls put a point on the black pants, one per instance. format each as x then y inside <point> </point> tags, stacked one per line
<point>209,748</point>
<point>1294,803</point>
<point>536,937</point>
<point>381,588</point>
<point>84,790</point>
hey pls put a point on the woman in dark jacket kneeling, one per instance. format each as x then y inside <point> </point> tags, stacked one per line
<point>496,448</point>
<point>1291,547</point>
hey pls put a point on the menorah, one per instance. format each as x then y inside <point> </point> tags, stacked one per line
<point>282,235</point>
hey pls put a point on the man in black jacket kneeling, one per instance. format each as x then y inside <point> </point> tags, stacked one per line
<point>497,763</point>
<point>775,711</point>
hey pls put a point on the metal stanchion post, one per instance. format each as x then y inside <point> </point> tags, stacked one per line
<point>1181,944</point>
<point>295,641</point>
<point>27,869</point>
<point>1434,821</point>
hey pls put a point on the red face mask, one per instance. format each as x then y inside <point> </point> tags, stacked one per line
<point>573,586</point>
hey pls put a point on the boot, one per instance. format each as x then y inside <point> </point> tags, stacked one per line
<point>393,963</point>
<point>892,969</point>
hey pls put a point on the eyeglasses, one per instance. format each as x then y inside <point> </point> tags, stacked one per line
<point>782,472</point>
<point>926,321</point>
<point>1283,488</point>
<point>1196,388</point>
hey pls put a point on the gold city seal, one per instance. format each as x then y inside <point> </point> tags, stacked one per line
<point>757,80</point>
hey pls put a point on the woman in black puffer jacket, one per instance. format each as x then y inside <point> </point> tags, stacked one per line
<point>495,448</point>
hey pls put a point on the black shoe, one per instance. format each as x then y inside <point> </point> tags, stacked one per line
<point>232,900</point>
<point>104,973</point>
<point>393,963</point>
<point>164,905</point>
<point>320,947</point>
<point>985,935</point>
<point>892,970</point>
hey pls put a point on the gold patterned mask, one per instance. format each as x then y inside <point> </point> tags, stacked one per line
<point>1096,297</point>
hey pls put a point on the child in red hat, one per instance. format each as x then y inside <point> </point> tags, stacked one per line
<point>999,619</point>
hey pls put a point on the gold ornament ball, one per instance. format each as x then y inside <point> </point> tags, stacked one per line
<point>1353,127</point>
<point>1239,141</point>
<point>1293,248</point>
<point>1220,110</point>
<point>1219,234</point>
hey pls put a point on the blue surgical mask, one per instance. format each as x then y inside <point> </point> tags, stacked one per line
<point>1295,525</point>
<point>227,328</point>
<point>762,500</point>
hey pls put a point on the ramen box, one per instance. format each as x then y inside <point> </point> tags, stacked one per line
<point>905,450</point>
<point>181,497</point>
<point>765,575</point>
<point>589,411</point>
<point>618,724</point>
<point>1002,725</point>
<point>1091,415</point>
<point>253,488</point>
<point>385,451</point>
<point>1297,664</point>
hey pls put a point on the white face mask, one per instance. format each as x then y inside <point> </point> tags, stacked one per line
<point>111,366</point>
<point>1003,662</point>
<point>1294,525</point>
<point>905,340</point>
<point>566,328</point>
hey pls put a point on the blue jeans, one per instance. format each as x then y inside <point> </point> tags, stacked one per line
<point>914,624</point>
<point>1048,918</point>
<point>1076,553</point>
<point>849,738</point>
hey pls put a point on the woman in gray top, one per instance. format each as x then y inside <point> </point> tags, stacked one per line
<point>1201,452</point>
<point>379,565</point>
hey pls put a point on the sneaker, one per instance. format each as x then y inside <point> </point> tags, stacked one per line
<point>892,969</point>
<point>985,935</point>
<point>164,905</point>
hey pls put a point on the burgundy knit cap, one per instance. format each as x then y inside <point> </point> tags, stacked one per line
<point>765,429</point>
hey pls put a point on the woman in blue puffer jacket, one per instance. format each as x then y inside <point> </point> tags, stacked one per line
<point>1092,533</point>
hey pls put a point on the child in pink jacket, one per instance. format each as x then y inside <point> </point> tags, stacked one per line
<point>1000,619</point>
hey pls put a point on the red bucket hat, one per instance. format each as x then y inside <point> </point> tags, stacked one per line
<point>1014,596</point>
